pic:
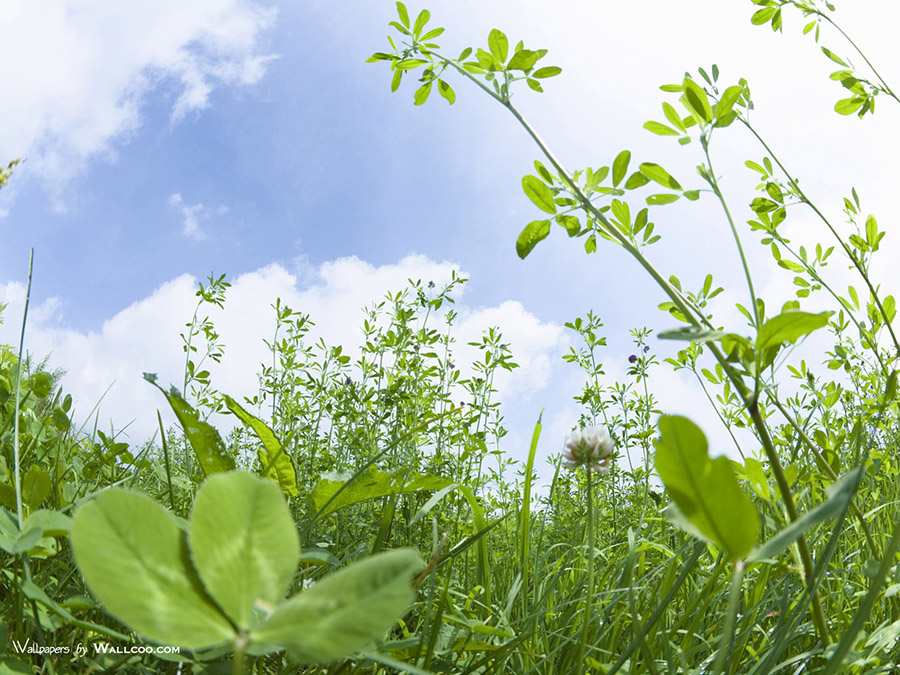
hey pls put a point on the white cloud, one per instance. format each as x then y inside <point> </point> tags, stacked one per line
<point>145,335</point>
<point>193,214</point>
<point>82,71</point>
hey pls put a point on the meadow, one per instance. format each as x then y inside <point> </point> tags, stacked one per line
<point>365,516</point>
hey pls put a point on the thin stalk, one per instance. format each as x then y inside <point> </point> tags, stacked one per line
<point>873,548</point>
<point>589,601</point>
<point>849,253</point>
<point>697,320</point>
<point>887,90</point>
<point>18,469</point>
<point>734,600</point>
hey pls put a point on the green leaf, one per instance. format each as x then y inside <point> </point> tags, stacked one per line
<point>762,16</point>
<point>403,14</point>
<point>570,223</point>
<point>848,106</point>
<point>344,611</point>
<point>690,333</point>
<point>409,64</point>
<point>546,71</point>
<point>446,91</point>
<point>789,326</point>
<point>673,117</point>
<point>422,94</point>
<point>705,490</point>
<point>433,33</point>
<point>330,494</point>
<point>534,232</point>
<point>524,59</point>
<point>659,129</point>
<point>35,486</point>
<point>243,543</point>
<point>660,199</point>
<point>135,560</point>
<point>52,523</point>
<point>658,174</point>
<point>726,103</point>
<point>421,20</point>
<point>275,462</point>
<point>538,192</point>
<point>834,57</point>
<point>839,495</point>
<point>620,167</point>
<point>636,180</point>
<point>203,437</point>
<point>697,100</point>
<point>498,45</point>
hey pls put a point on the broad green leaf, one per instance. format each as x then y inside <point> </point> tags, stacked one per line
<point>41,384</point>
<point>330,495</point>
<point>344,611</point>
<point>726,103</point>
<point>243,543</point>
<point>135,560</point>
<point>524,59</point>
<point>789,326</point>
<point>839,495</point>
<point>538,192</point>
<point>499,45</point>
<point>762,16</point>
<point>570,223</point>
<point>422,94</point>
<point>659,129</point>
<point>658,174</point>
<point>546,71</point>
<point>52,523</point>
<point>275,462</point>
<point>705,490</point>
<point>697,100</point>
<point>636,180</point>
<point>848,106</point>
<point>203,437</point>
<point>620,167</point>
<point>534,232</point>
<point>446,91</point>
<point>35,486</point>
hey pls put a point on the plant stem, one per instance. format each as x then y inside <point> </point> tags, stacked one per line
<point>18,469</point>
<point>589,600</point>
<point>734,599</point>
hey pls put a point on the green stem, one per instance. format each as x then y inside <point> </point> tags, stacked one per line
<point>734,599</point>
<point>18,469</point>
<point>589,600</point>
<point>696,319</point>
<point>887,90</point>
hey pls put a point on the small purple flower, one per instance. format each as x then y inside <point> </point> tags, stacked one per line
<point>348,381</point>
<point>632,358</point>
<point>452,366</point>
<point>503,346</point>
<point>430,284</point>
<point>646,348</point>
<point>479,380</point>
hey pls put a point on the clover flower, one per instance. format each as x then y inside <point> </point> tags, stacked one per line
<point>590,447</point>
<point>646,348</point>
<point>632,358</point>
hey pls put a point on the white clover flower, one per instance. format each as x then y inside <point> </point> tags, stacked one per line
<point>590,447</point>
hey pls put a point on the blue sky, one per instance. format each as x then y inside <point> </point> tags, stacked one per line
<point>250,138</point>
